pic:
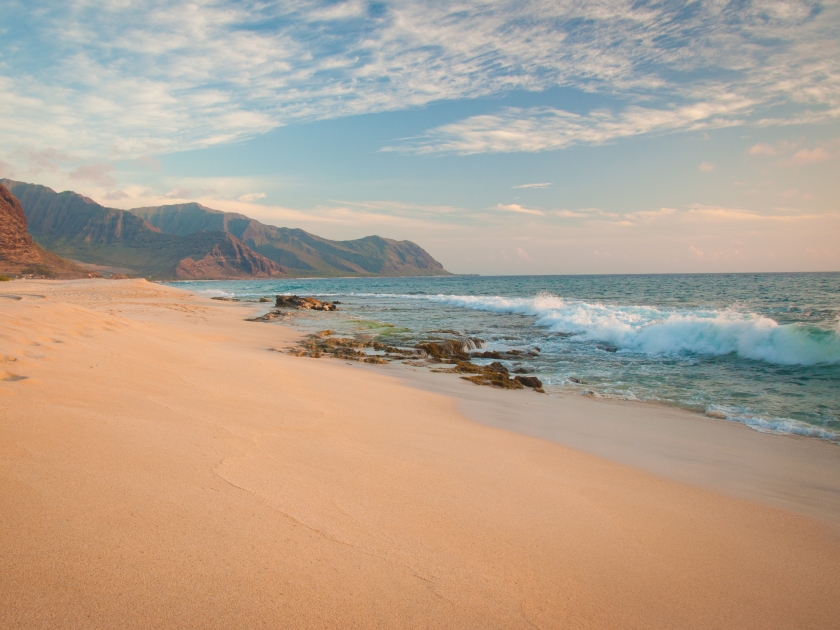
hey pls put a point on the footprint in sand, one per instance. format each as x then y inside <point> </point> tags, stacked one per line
<point>11,378</point>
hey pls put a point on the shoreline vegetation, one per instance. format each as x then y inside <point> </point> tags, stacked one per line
<point>161,467</point>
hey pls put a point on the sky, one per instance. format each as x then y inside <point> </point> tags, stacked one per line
<point>521,137</point>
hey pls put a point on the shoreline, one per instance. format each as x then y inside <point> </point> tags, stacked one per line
<point>160,468</point>
<point>788,471</point>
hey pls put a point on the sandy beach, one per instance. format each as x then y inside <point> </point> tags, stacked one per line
<point>160,467</point>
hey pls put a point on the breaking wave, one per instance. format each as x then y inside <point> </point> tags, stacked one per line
<point>657,331</point>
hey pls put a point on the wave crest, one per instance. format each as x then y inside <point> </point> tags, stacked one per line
<point>658,331</point>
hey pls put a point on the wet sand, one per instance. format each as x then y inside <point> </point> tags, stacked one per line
<point>161,468</point>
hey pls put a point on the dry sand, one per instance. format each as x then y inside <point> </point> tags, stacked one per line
<point>160,468</point>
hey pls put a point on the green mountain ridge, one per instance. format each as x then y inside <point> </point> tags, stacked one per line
<point>299,251</point>
<point>190,241</point>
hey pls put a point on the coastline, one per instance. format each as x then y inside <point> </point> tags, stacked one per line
<point>161,468</point>
<point>778,470</point>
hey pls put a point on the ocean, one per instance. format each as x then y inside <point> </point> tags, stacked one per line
<point>760,349</point>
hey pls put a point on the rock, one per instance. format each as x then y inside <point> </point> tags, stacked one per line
<point>451,348</point>
<point>225,299</point>
<point>268,317</point>
<point>119,276</point>
<point>572,379</point>
<point>19,253</point>
<point>264,299</point>
<point>714,413</point>
<point>529,381</point>
<point>494,379</point>
<point>303,303</point>
<point>522,371</point>
<point>497,367</point>
<point>492,354</point>
<point>94,274</point>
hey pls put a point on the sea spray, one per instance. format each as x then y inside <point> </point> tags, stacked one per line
<point>656,332</point>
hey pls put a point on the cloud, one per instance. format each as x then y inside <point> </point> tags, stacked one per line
<point>522,253</point>
<point>7,170</point>
<point>251,197</point>
<point>545,129</point>
<point>147,163</point>
<point>544,185</point>
<point>97,174</point>
<point>41,161</point>
<point>116,195</point>
<point>762,148</point>
<point>122,79</point>
<point>513,207</point>
<point>810,156</point>
<point>179,193</point>
<point>706,167</point>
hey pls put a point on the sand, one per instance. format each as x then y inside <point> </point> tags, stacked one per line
<point>161,468</point>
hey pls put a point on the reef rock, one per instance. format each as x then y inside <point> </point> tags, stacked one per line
<point>529,381</point>
<point>304,303</point>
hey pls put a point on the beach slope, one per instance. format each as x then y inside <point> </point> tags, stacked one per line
<point>160,467</point>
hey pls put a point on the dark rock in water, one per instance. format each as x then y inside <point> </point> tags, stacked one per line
<point>529,381</point>
<point>522,371</point>
<point>607,348</point>
<point>322,344</point>
<point>575,380</point>
<point>491,354</point>
<point>268,317</point>
<point>226,299</point>
<point>497,367</point>
<point>265,299</point>
<point>303,303</point>
<point>451,348</point>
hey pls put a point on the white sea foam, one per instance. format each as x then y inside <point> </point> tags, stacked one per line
<point>658,331</point>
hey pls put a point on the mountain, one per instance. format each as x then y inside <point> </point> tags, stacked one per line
<point>18,252</point>
<point>77,227</point>
<point>301,253</point>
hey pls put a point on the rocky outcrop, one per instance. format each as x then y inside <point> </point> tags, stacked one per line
<point>529,381</point>
<point>16,245</point>
<point>304,303</point>
<point>451,352</point>
<point>19,254</point>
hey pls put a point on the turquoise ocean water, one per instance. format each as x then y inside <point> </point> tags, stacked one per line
<point>763,349</point>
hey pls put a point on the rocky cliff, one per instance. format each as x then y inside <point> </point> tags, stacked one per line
<point>19,253</point>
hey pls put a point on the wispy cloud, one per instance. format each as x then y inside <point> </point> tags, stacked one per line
<point>513,207</point>
<point>119,79</point>
<point>544,128</point>
<point>809,156</point>
<point>543,185</point>
<point>97,174</point>
<point>251,197</point>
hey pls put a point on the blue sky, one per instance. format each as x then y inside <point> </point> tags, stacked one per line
<point>505,137</point>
